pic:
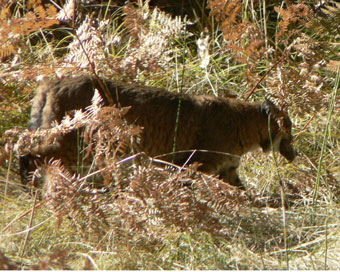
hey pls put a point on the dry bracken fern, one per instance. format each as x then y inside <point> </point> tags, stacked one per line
<point>12,28</point>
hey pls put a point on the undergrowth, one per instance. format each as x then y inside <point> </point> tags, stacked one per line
<point>152,216</point>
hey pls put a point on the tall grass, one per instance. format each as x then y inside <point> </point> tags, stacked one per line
<point>325,137</point>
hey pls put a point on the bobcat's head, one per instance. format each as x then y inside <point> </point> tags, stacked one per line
<point>279,135</point>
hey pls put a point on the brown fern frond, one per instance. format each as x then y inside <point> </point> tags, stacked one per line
<point>64,194</point>
<point>135,20</point>
<point>150,49</point>
<point>110,136</point>
<point>158,197</point>
<point>243,36</point>
<point>299,84</point>
<point>293,17</point>
<point>13,28</point>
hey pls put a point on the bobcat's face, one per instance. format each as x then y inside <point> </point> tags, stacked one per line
<point>286,148</point>
<point>279,132</point>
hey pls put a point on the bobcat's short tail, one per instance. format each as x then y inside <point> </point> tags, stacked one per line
<point>40,107</point>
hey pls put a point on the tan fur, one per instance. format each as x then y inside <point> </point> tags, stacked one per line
<point>221,130</point>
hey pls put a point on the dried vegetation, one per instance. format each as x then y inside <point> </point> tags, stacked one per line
<point>152,217</point>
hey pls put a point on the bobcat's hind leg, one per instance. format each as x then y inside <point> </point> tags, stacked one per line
<point>227,170</point>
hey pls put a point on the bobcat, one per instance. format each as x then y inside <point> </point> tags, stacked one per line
<point>220,129</point>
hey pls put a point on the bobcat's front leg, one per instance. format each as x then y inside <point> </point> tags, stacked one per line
<point>229,175</point>
<point>226,169</point>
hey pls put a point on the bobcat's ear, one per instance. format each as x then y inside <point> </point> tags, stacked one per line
<point>268,108</point>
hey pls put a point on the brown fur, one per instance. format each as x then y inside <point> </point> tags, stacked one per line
<point>221,130</point>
